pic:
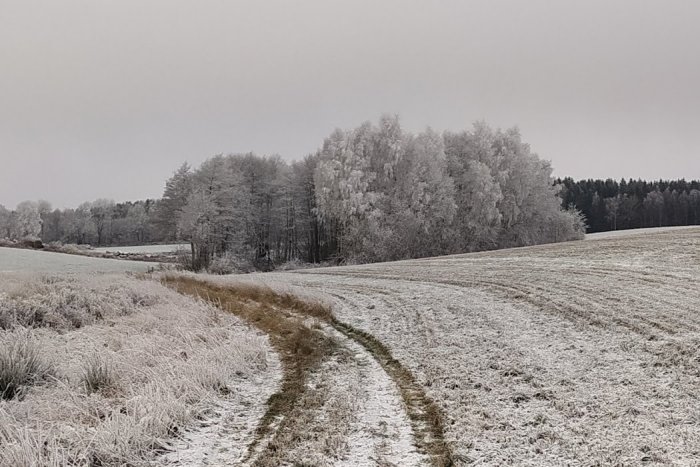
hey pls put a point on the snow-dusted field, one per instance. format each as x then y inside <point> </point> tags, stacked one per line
<point>583,353</point>
<point>146,249</point>
<point>627,233</point>
<point>17,260</point>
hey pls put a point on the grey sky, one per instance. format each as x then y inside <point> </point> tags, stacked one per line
<point>106,98</point>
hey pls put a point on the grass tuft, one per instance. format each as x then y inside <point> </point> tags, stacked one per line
<point>98,375</point>
<point>21,365</point>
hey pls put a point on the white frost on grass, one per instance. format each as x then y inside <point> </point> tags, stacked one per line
<point>171,363</point>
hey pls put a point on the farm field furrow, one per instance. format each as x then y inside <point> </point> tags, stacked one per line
<point>584,353</point>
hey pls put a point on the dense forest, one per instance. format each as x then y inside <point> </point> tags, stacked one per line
<point>630,204</point>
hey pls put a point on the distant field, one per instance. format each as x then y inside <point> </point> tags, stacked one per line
<point>17,260</point>
<point>626,233</point>
<point>146,249</point>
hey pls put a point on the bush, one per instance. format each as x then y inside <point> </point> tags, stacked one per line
<point>229,263</point>
<point>21,365</point>
<point>64,304</point>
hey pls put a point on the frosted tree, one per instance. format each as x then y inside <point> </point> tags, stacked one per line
<point>136,222</point>
<point>531,210</point>
<point>27,221</point>
<point>196,223</point>
<point>310,232</point>
<point>177,190</point>
<point>416,221</point>
<point>480,219</point>
<point>101,212</point>
<point>222,182</point>
<point>83,226</point>
<point>44,208</point>
<point>476,168</point>
<point>655,206</point>
<point>5,222</point>
<point>612,209</point>
<point>344,185</point>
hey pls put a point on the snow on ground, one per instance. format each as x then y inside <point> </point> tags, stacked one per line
<point>14,260</point>
<point>374,428</point>
<point>222,438</point>
<point>628,232</point>
<point>577,353</point>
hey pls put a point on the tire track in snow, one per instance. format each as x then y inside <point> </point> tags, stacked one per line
<point>394,422</point>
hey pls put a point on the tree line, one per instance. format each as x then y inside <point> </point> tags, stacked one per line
<point>100,223</point>
<point>630,204</point>
<point>371,193</point>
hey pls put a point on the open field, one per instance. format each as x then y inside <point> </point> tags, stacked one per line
<point>584,353</point>
<point>635,232</point>
<point>23,261</point>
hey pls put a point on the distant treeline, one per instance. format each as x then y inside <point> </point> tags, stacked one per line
<point>371,193</point>
<point>630,204</point>
<point>101,223</point>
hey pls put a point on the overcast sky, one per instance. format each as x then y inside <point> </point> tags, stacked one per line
<point>106,98</point>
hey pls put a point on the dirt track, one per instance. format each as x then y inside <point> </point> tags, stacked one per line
<point>585,353</point>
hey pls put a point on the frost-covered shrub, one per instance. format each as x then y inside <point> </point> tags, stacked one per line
<point>21,364</point>
<point>69,248</point>
<point>55,302</point>
<point>229,264</point>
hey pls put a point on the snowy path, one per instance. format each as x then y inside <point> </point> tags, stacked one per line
<point>346,402</point>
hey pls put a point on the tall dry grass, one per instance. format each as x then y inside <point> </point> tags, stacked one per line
<point>111,369</point>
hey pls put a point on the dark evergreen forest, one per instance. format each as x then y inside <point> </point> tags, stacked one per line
<point>630,204</point>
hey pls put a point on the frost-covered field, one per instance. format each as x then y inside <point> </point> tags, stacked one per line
<point>111,370</point>
<point>146,249</point>
<point>627,233</point>
<point>583,353</point>
<point>18,260</point>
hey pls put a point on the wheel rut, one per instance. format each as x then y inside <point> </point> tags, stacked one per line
<point>327,363</point>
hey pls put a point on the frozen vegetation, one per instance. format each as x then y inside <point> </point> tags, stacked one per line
<point>109,370</point>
